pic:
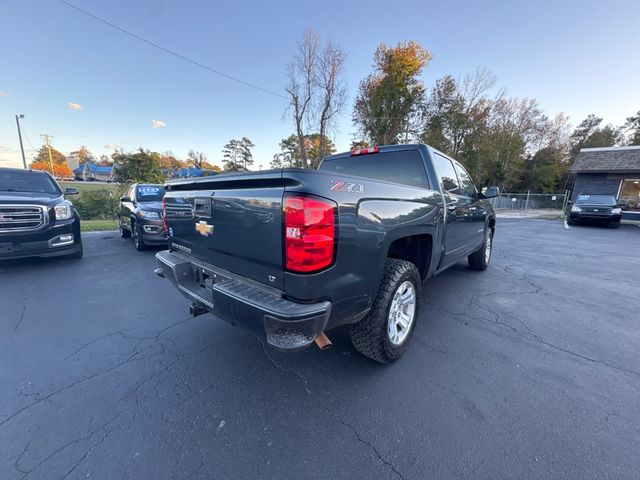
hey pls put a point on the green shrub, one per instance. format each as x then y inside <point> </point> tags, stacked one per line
<point>97,205</point>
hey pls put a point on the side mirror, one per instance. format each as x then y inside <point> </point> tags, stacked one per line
<point>125,199</point>
<point>71,191</point>
<point>490,192</point>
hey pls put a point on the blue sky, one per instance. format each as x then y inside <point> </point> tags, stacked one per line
<point>576,57</point>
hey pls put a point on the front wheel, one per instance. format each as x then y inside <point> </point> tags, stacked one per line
<point>138,241</point>
<point>124,233</point>
<point>480,260</point>
<point>384,334</point>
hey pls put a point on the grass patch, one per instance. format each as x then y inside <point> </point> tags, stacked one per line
<point>97,225</point>
<point>116,188</point>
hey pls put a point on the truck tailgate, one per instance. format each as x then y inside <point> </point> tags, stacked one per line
<point>233,222</point>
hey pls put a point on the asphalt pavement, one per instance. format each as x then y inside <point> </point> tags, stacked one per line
<point>530,370</point>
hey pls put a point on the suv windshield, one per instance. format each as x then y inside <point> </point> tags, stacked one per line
<point>150,193</point>
<point>27,181</point>
<point>596,200</point>
<point>404,167</point>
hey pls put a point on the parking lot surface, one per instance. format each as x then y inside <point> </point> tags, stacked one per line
<point>528,370</point>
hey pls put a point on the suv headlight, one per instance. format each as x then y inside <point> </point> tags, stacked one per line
<point>146,214</point>
<point>63,211</point>
<point>576,208</point>
<point>616,211</point>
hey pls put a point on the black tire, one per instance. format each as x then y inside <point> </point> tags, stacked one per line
<point>138,241</point>
<point>570,221</point>
<point>480,260</point>
<point>124,233</point>
<point>78,254</point>
<point>615,224</point>
<point>370,335</point>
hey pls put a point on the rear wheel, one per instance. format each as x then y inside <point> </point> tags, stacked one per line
<point>384,334</point>
<point>138,241</point>
<point>480,260</point>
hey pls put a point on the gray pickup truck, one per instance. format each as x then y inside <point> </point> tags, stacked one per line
<point>293,253</point>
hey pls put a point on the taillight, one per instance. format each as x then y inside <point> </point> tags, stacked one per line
<point>164,216</point>
<point>364,151</point>
<point>309,233</point>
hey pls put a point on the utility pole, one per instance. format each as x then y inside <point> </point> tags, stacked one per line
<point>24,161</point>
<point>46,140</point>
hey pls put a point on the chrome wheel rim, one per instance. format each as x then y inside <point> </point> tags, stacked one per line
<point>401,313</point>
<point>487,247</point>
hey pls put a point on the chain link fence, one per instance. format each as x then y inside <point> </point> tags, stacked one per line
<point>531,203</point>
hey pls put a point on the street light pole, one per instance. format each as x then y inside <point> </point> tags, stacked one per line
<point>24,161</point>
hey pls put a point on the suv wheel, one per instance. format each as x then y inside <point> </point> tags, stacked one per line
<point>384,334</point>
<point>138,241</point>
<point>480,260</point>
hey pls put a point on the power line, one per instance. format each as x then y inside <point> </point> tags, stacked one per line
<point>171,52</point>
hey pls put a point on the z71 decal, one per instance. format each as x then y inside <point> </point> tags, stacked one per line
<point>340,186</point>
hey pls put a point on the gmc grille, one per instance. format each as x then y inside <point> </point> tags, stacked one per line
<point>15,218</point>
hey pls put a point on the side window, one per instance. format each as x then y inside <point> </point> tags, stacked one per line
<point>447,173</point>
<point>467,188</point>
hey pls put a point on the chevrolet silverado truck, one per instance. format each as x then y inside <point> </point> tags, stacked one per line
<point>36,220</point>
<point>293,253</point>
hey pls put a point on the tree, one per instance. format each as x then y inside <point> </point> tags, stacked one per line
<point>167,161</point>
<point>59,169</point>
<point>333,96</point>
<point>140,166</point>
<point>104,160</point>
<point>390,98</point>
<point>289,150</point>
<point>632,129</point>
<point>196,159</point>
<point>589,134</point>
<point>82,155</point>
<point>237,155</point>
<point>316,91</point>
<point>56,156</point>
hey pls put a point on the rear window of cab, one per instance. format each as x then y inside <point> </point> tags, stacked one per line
<point>404,167</point>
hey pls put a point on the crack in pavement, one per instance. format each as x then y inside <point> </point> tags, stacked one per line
<point>359,437</point>
<point>75,441</point>
<point>528,333</point>
<point>135,353</point>
<point>25,299</point>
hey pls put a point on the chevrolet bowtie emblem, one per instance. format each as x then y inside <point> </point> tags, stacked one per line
<point>203,228</point>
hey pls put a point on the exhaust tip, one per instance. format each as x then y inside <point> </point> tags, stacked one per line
<point>323,342</point>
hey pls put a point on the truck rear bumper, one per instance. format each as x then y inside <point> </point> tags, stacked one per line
<point>285,324</point>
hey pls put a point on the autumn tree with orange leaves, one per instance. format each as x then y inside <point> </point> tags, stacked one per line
<point>389,99</point>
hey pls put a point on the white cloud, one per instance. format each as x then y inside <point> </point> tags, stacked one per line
<point>75,106</point>
<point>158,124</point>
<point>110,146</point>
<point>3,93</point>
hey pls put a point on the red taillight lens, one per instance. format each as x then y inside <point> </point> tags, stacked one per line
<point>309,233</point>
<point>164,216</point>
<point>364,151</point>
